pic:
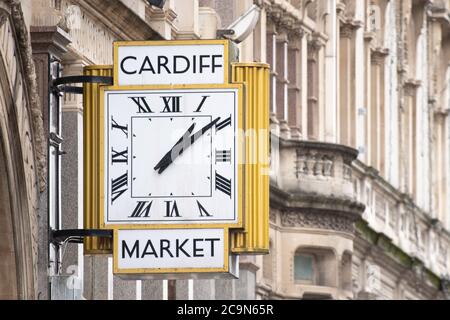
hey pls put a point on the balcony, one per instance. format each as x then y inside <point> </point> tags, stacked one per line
<point>316,176</point>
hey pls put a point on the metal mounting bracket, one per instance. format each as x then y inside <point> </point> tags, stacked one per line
<point>60,237</point>
<point>60,84</point>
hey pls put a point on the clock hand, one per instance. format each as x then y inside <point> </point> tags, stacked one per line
<point>167,155</point>
<point>186,145</point>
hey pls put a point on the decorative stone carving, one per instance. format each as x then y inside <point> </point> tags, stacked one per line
<point>379,55</point>
<point>410,87</point>
<point>314,163</point>
<point>284,19</point>
<point>39,140</point>
<point>321,162</point>
<point>348,27</point>
<point>318,220</point>
<point>273,216</point>
<point>317,42</point>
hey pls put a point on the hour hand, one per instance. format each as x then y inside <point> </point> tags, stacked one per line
<point>168,154</point>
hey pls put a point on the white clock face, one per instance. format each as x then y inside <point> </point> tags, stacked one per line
<point>171,156</point>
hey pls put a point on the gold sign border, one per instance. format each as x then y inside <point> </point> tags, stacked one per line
<point>225,269</point>
<point>225,43</point>
<point>240,158</point>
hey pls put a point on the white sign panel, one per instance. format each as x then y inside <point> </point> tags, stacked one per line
<point>171,250</point>
<point>171,157</point>
<point>171,63</point>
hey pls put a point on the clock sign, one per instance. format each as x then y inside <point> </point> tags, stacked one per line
<point>171,156</point>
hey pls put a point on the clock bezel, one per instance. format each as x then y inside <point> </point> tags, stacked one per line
<point>240,152</point>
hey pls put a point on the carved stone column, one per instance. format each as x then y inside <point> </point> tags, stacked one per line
<point>331,74</point>
<point>376,115</point>
<point>441,167</point>
<point>272,59</point>
<point>304,84</point>
<point>282,84</point>
<point>314,113</point>
<point>408,134</point>
<point>347,109</point>
<point>295,77</point>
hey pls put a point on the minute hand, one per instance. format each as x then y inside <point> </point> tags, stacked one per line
<point>179,142</point>
<point>176,153</point>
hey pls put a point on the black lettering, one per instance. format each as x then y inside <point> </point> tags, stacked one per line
<point>202,210</point>
<point>119,156</point>
<point>115,125</point>
<point>130,253</point>
<point>214,65</point>
<point>198,252</point>
<point>172,210</point>
<point>119,186</point>
<point>202,57</point>
<point>165,246</point>
<point>171,104</point>
<point>122,65</point>
<point>145,68</point>
<point>175,64</point>
<point>194,65</point>
<point>223,184</point>
<point>199,108</point>
<point>142,208</point>
<point>223,156</point>
<point>142,104</point>
<point>180,248</point>
<point>212,244</point>
<point>162,63</point>
<point>152,252</point>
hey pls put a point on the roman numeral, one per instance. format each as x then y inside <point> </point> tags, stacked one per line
<point>119,186</point>
<point>171,209</point>
<point>202,210</point>
<point>223,124</point>
<point>115,125</point>
<point>119,157</point>
<point>171,104</point>
<point>142,104</point>
<point>199,108</point>
<point>142,208</point>
<point>223,184</point>
<point>223,156</point>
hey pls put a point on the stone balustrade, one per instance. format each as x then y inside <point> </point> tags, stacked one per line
<point>396,216</point>
<point>316,168</point>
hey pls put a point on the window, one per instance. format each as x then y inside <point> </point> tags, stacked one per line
<point>304,265</point>
<point>315,267</point>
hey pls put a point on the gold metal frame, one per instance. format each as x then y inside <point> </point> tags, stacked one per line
<point>255,238</point>
<point>172,270</point>
<point>225,43</point>
<point>91,102</point>
<point>101,163</point>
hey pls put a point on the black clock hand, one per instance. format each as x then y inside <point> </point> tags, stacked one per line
<point>167,155</point>
<point>191,141</point>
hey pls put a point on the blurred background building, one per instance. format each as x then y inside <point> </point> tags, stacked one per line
<point>360,157</point>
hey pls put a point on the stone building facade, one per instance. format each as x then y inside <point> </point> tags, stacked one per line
<point>360,152</point>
